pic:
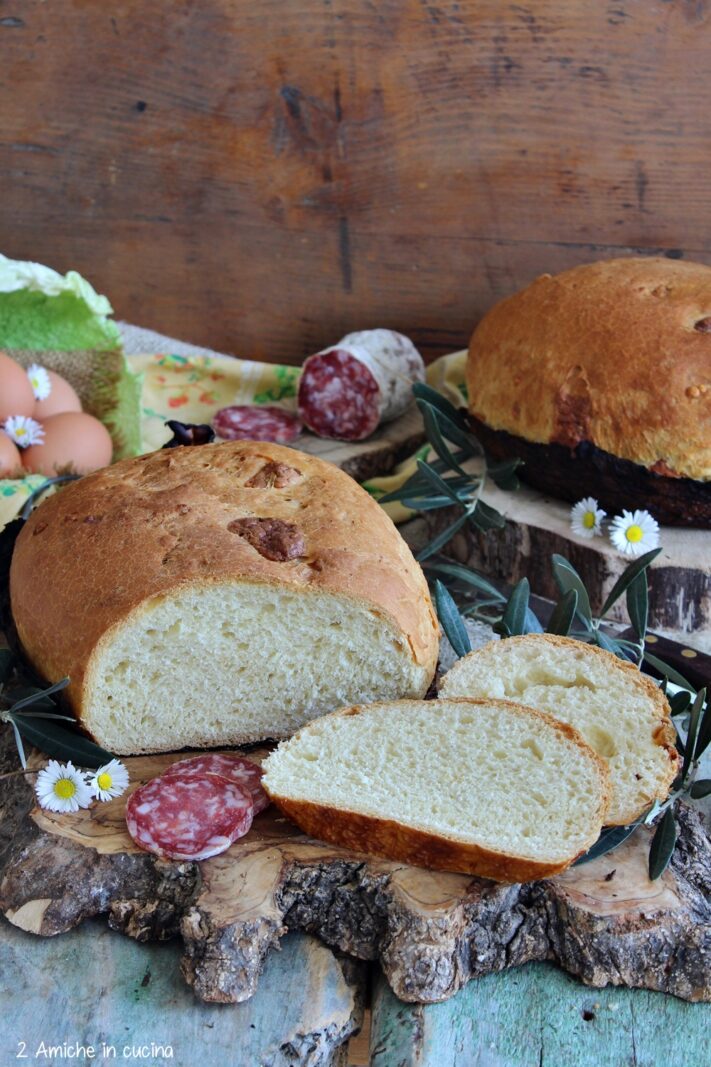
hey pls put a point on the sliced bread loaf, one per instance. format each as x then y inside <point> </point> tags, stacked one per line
<point>483,787</point>
<point>620,712</point>
<point>216,595</point>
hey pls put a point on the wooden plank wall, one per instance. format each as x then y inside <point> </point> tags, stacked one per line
<point>261,177</point>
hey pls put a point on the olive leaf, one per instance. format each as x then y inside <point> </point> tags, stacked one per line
<point>442,538</point>
<point>514,618</point>
<point>486,518</point>
<point>667,672</point>
<point>610,644</point>
<point>425,392</point>
<point>451,620</point>
<point>503,474</point>
<point>700,788</point>
<point>434,436</point>
<point>679,702</point>
<point>610,838</point>
<point>19,745</point>
<point>566,577</point>
<point>456,570</point>
<point>692,733</point>
<point>36,697</point>
<point>443,426</point>
<point>432,503</point>
<point>439,484</point>
<point>626,578</point>
<point>34,717</point>
<point>638,605</point>
<point>662,847</point>
<point>59,742</point>
<point>563,613</point>
<point>703,738</point>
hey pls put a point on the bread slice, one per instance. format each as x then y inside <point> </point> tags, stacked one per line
<point>620,712</point>
<point>217,595</point>
<point>484,787</point>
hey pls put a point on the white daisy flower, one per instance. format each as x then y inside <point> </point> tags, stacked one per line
<point>109,781</point>
<point>39,380</point>
<point>23,430</point>
<point>586,517</point>
<point>634,532</point>
<point>61,787</point>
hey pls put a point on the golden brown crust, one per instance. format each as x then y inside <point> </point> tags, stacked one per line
<point>102,546</point>
<point>608,353</point>
<point>664,735</point>
<point>386,837</point>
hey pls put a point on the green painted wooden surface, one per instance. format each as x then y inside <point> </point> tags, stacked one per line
<point>92,986</point>
<point>537,1016</point>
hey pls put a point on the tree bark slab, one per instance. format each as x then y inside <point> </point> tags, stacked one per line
<point>604,922</point>
<point>537,526</point>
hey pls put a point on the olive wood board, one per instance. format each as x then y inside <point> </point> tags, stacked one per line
<point>431,931</point>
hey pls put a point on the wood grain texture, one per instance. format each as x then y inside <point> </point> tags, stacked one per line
<point>263,178</point>
<point>537,1016</point>
<point>94,987</point>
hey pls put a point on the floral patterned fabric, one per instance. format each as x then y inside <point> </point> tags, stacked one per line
<point>192,388</point>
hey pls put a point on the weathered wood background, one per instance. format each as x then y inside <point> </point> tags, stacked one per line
<point>260,177</point>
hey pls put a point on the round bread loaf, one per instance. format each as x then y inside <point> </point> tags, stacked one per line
<point>217,595</point>
<point>606,362</point>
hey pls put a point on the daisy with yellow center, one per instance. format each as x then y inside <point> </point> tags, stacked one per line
<point>109,781</point>
<point>586,518</point>
<point>40,382</point>
<point>634,532</point>
<point>23,430</point>
<point>61,787</point>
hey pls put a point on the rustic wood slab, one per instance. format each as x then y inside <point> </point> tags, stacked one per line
<point>432,932</point>
<point>534,1016</point>
<point>93,987</point>
<point>537,526</point>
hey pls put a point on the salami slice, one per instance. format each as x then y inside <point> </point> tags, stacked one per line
<point>183,817</point>
<point>346,391</point>
<point>237,769</point>
<point>255,422</point>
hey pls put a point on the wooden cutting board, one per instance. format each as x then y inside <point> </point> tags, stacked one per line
<point>432,932</point>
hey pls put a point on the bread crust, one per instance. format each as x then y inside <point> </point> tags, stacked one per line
<point>98,550</point>
<point>617,484</point>
<point>664,736</point>
<point>381,836</point>
<point>607,353</point>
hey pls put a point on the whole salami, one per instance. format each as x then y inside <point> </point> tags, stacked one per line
<point>183,817</point>
<point>237,769</point>
<point>346,391</point>
<point>257,422</point>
